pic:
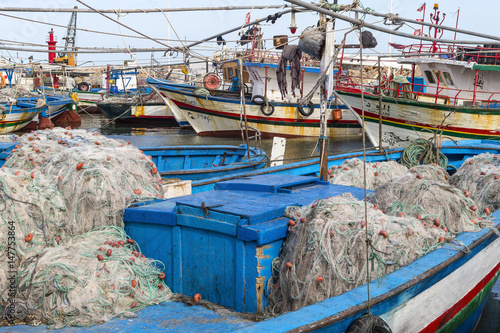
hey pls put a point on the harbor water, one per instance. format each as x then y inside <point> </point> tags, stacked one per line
<point>148,135</point>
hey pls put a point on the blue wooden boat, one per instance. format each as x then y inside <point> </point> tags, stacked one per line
<point>56,104</point>
<point>221,244</point>
<point>201,162</point>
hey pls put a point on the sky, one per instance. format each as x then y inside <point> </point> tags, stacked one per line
<point>192,26</point>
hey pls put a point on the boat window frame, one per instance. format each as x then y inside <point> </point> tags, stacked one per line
<point>448,79</point>
<point>430,77</point>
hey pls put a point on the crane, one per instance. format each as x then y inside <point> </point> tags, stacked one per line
<point>68,57</point>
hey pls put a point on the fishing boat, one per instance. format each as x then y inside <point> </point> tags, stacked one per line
<point>142,107</point>
<point>15,116</point>
<point>216,108</point>
<point>221,244</point>
<point>201,162</point>
<point>458,99</point>
<point>56,105</point>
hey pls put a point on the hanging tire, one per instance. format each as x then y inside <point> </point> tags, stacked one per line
<point>309,110</point>
<point>83,86</point>
<point>366,324</point>
<point>267,109</point>
<point>258,100</point>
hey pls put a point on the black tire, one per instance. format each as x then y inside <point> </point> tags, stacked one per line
<point>83,86</point>
<point>367,324</point>
<point>267,109</point>
<point>258,100</point>
<point>310,109</point>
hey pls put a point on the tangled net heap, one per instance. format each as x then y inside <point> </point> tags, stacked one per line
<point>429,198</point>
<point>422,151</point>
<point>90,279</point>
<point>479,178</point>
<point>325,251</point>
<point>351,173</point>
<point>59,189</point>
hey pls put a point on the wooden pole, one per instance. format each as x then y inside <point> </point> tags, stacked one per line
<point>242,94</point>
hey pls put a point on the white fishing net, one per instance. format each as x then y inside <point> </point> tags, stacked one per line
<point>325,251</point>
<point>479,178</point>
<point>435,202</point>
<point>63,192</point>
<point>351,173</point>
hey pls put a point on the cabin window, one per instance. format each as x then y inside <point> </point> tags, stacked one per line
<point>429,77</point>
<point>447,78</point>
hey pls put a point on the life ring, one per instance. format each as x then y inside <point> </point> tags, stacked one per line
<point>264,108</point>
<point>310,109</point>
<point>366,324</point>
<point>258,100</point>
<point>83,86</point>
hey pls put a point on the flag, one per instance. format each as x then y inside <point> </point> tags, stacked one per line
<point>397,46</point>
<point>421,8</point>
<point>247,18</point>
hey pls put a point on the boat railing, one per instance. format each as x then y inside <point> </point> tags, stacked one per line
<point>489,54</point>
<point>445,95</point>
<point>261,56</point>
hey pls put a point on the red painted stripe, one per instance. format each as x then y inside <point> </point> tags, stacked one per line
<point>284,120</point>
<point>457,307</point>
<point>448,128</point>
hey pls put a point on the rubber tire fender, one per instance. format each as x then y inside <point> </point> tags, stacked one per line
<point>83,86</point>
<point>258,100</point>
<point>310,109</point>
<point>264,106</point>
<point>366,324</point>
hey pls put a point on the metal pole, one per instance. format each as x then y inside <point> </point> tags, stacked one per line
<point>379,105</point>
<point>242,94</point>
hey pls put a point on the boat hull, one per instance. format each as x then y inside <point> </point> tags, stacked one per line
<point>221,116</point>
<point>18,118</point>
<point>131,112</point>
<point>404,121</point>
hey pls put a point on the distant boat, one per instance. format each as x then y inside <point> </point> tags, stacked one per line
<point>14,117</point>
<point>146,107</point>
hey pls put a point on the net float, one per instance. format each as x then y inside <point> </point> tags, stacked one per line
<point>401,214</point>
<point>32,175</point>
<point>466,193</point>
<point>330,172</point>
<point>18,173</point>
<point>102,249</point>
<point>291,223</point>
<point>130,241</point>
<point>131,259</point>
<point>121,243</point>
<point>108,252</point>
<point>314,205</point>
<point>419,217</point>
<point>363,223</point>
<point>444,228</point>
<point>108,242</point>
<point>375,206</point>
<point>320,279</point>
<point>483,173</point>
<point>137,191</point>
<point>79,166</point>
<point>346,168</point>
<point>419,176</point>
<point>302,219</point>
<point>331,233</point>
<point>197,297</point>
<point>133,305</point>
<point>115,244</point>
<point>441,239</point>
<point>376,173</point>
<point>28,237</point>
<point>134,283</point>
<point>112,287</point>
<point>100,257</point>
<point>289,265</point>
<point>474,208</point>
<point>487,210</point>
<point>436,222</point>
<point>143,256</point>
<point>135,253</point>
<point>384,233</point>
<point>496,177</point>
<point>154,170</point>
<point>471,162</point>
<point>97,143</point>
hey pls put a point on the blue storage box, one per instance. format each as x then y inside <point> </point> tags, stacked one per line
<point>221,243</point>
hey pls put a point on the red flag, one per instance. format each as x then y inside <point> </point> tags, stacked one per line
<point>421,8</point>
<point>397,46</point>
<point>247,18</point>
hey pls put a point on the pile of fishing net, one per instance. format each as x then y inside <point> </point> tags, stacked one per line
<point>479,178</point>
<point>16,92</point>
<point>90,279</point>
<point>424,193</point>
<point>351,173</point>
<point>324,253</point>
<point>59,189</point>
